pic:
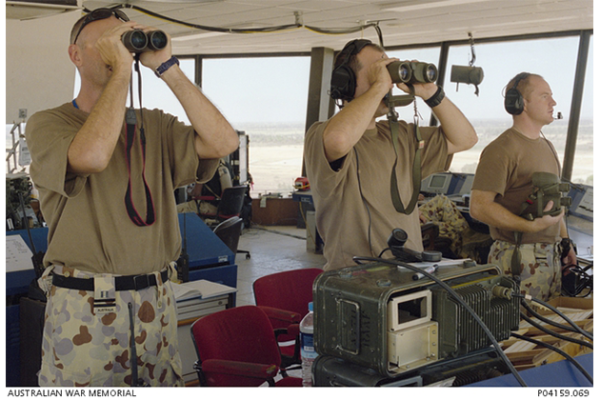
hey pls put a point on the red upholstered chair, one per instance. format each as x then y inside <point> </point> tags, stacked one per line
<point>284,296</point>
<point>237,347</point>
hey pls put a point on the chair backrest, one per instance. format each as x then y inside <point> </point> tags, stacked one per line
<point>231,203</point>
<point>241,334</point>
<point>287,290</point>
<point>229,232</point>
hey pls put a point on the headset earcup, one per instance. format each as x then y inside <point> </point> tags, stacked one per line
<point>343,83</point>
<point>513,102</point>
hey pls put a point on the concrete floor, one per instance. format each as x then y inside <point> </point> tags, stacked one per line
<point>273,249</point>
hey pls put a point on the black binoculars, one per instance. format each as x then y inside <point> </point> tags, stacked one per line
<point>412,72</point>
<point>138,41</point>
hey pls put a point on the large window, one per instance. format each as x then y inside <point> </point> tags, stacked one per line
<point>267,98</point>
<point>555,60</point>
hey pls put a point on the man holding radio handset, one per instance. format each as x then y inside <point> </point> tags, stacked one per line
<point>529,245</point>
<point>350,156</point>
<point>106,177</point>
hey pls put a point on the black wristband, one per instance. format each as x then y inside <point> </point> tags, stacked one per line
<point>437,98</point>
<point>165,66</point>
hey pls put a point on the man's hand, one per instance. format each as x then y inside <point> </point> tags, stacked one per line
<point>114,54</point>
<point>154,59</point>
<point>547,220</point>
<point>378,74</point>
<point>423,90</point>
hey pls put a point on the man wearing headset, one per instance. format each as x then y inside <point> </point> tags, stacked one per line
<point>503,182</point>
<point>110,317</point>
<point>350,156</point>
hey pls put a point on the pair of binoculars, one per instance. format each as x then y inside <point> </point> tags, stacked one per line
<point>548,186</point>
<point>138,41</point>
<point>412,72</point>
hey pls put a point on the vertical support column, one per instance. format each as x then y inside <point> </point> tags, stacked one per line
<point>319,106</point>
<point>442,67</point>
<point>198,71</point>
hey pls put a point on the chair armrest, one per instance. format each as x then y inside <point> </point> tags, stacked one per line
<point>282,315</point>
<point>293,329</point>
<point>239,368</point>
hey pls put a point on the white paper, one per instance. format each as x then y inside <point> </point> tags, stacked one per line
<point>18,254</point>
<point>199,289</point>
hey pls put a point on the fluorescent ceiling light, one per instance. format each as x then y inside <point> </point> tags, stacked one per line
<point>433,4</point>
<point>197,36</point>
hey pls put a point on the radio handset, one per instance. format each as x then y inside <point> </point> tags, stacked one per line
<point>396,244</point>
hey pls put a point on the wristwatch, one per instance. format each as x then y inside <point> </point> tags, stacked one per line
<point>437,98</point>
<point>162,68</point>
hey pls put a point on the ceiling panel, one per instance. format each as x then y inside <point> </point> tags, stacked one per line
<point>415,22</point>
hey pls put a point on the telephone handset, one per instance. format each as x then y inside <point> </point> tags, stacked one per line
<point>396,244</point>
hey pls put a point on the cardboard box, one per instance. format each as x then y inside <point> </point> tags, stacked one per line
<point>565,304</point>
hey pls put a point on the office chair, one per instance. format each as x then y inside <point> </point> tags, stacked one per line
<point>230,205</point>
<point>284,297</point>
<point>229,232</point>
<point>237,347</point>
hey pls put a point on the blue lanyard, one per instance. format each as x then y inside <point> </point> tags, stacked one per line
<point>75,104</point>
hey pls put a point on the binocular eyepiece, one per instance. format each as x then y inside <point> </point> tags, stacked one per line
<point>412,72</point>
<point>138,41</point>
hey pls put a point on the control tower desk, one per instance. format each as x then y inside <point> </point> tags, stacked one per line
<point>209,257</point>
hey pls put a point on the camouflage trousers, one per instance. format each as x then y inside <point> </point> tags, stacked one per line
<point>444,213</point>
<point>87,342</point>
<point>540,267</point>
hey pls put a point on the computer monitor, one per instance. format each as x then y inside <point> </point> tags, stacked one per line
<point>436,183</point>
<point>582,201</point>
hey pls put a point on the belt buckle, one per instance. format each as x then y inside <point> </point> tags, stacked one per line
<point>141,282</point>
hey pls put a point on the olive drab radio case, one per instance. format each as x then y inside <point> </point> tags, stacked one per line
<point>380,316</point>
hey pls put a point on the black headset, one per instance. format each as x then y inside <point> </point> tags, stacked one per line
<point>343,79</point>
<point>513,100</point>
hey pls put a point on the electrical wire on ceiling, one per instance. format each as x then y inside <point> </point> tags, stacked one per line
<point>281,28</point>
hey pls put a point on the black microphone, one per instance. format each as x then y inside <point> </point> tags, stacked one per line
<point>559,115</point>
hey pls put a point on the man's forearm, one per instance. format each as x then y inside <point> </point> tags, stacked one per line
<point>459,132</point>
<point>94,144</point>
<point>346,128</point>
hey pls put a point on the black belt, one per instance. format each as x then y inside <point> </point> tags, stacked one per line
<point>125,282</point>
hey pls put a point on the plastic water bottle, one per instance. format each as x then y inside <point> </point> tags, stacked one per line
<point>307,350</point>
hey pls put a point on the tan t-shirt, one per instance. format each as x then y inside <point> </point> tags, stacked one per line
<point>348,220</point>
<point>505,167</point>
<point>89,228</point>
